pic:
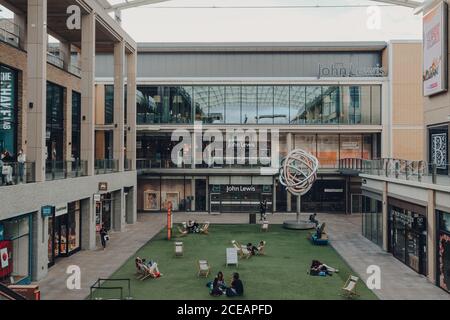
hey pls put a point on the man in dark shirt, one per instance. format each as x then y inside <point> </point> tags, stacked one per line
<point>237,288</point>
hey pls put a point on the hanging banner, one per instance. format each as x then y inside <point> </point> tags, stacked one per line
<point>435,50</point>
<point>7,112</point>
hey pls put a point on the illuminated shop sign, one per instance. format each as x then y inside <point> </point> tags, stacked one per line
<point>240,188</point>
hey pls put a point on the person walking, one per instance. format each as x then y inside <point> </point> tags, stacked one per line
<point>104,236</point>
<point>21,159</point>
<point>262,210</point>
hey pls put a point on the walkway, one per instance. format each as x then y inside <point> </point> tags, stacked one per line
<point>398,281</point>
<point>100,263</point>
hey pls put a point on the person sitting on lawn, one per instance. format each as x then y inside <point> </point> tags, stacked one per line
<point>237,287</point>
<point>254,250</point>
<point>216,290</point>
<point>318,268</point>
<point>220,281</point>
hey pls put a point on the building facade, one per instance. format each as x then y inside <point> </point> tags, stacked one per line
<point>334,100</point>
<point>58,191</point>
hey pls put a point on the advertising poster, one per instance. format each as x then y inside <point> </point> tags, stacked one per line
<point>7,112</point>
<point>435,50</point>
<point>151,201</point>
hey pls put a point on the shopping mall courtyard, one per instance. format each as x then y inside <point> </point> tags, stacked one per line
<point>282,273</point>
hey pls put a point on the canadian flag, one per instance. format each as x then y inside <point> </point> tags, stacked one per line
<point>4,257</point>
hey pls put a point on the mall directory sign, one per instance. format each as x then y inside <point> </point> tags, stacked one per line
<point>435,48</point>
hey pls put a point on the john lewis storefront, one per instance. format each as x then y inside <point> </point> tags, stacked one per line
<point>327,98</point>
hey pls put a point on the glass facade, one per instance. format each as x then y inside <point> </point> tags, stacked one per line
<point>76,124</point>
<point>17,242</point>
<point>8,109</point>
<point>372,220</point>
<point>408,237</point>
<point>109,104</point>
<point>263,104</point>
<point>438,148</point>
<point>443,250</point>
<point>55,122</point>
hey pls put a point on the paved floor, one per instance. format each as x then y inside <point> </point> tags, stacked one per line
<point>398,282</point>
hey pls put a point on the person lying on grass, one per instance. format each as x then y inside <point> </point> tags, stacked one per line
<point>321,269</point>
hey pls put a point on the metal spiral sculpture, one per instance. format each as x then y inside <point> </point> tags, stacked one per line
<point>298,171</point>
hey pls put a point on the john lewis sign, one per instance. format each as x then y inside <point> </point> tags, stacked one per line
<point>339,70</point>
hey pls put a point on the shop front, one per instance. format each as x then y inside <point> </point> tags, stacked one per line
<point>103,211</point>
<point>16,250</point>
<point>408,234</point>
<point>372,217</point>
<point>64,231</point>
<point>443,247</point>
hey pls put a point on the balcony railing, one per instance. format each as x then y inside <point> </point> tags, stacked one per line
<point>9,32</point>
<point>75,70</point>
<point>56,170</point>
<point>103,166</point>
<point>410,170</point>
<point>55,58</point>
<point>13,173</point>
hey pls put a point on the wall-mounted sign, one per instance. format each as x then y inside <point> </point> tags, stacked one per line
<point>103,186</point>
<point>7,109</point>
<point>334,190</point>
<point>339,70</point>
<point>435,24</point>
<point>2,232</point>
<point>61,209</point>
<point>97,197</point>
<point>47,211</point>
<point>240,188</point>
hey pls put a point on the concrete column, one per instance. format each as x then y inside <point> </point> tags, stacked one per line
<point>88,91</point>
<point>289,149</point>
<point>64,48</point>
<point>385,216</point>
<point>37,85</point>
<point>131,206</point>
<point>386,121</point>
<point>21,22</point>
<point>193,194</point>
<point>88,232</point>
<point>119,110</point>
<point>131,109</point>
<point>40,247</point>
<point>431,236</point>
<point>118,210</point>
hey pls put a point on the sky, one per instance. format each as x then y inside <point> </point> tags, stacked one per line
<point>157,23</point>
<point>264,21</point>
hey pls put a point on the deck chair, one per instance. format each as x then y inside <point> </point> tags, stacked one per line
<point>178,249</point>
<point>265,226</point>
<point>150,272</point>
<point>204,228</point>
<point>181,232</point>
<point>203,268</point>
<point>349,288</point>
<point>243,252</point>
<point>232,256</point>
<point>139,267</point>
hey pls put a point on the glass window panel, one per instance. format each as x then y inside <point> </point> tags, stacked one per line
<point>216,104</point>
<point>281,105</point>
<point>150,198</point>
<point>248,104</point>
<point>376,105</point>
<point>148,104</point>
<point>265,104</point>
<point>109,104</point>
<point>172,191</point>
<point>331,99</point>
<point>297,105</point>
<point>306,142</point>
<point>351,146</point>
<point>327,150</point>
<point>363,114</point>
<point>314,105</point>
<point>201,97</point>
<point>367,146</point>
<point>233,104</point>
<point>76,124</point>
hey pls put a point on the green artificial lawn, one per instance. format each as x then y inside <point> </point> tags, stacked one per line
<point>279,275</point>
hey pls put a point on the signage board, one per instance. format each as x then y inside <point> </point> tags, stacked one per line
<point>435,48</point>
<point>61,209</point>
<point>97,197</point>
<point>2,232</point>
<point>47,211</point>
